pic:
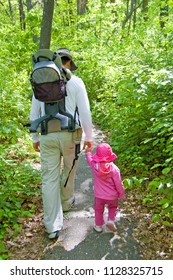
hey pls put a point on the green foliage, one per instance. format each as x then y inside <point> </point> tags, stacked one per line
<point>127,69</point>
<point>18,186</point>
<point>18,177</point>
<point>129,82</point>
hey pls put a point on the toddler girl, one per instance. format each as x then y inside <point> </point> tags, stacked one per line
<point>108,186</point>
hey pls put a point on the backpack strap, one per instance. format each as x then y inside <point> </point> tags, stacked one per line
<point>46,54</point>
<point>76,113</point>
<point>41,57</point>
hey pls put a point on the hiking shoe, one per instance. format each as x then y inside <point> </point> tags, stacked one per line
<point>66,209</point>
<point>111,226</point>
<point>98,228</point>
<point>53,235</point>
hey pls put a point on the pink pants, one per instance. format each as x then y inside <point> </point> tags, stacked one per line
<point>99,206</point>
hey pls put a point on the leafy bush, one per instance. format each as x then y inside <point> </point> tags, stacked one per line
<point>128,75</point>
<point>18,178</point>
<point>134,105</point>
<point>18,186</point>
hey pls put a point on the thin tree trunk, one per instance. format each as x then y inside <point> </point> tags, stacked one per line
<point>10,9</point>
<point>46,26</point>
<point>145,9</point>
<point>22,15</point>
<point>163,13</point>
<point>81,6</point>
<point>131,13</point>
<point>134,13</point>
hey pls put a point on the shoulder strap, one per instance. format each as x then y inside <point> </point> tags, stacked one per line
<point>76,113</point>
<point>46,54</point>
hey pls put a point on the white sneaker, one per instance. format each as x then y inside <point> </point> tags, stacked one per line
<point>98,228</point>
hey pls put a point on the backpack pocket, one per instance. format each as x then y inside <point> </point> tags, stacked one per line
<point>49,92</point>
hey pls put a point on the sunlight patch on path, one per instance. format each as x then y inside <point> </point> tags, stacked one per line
<point>77,226</point>
<point>76,229</point>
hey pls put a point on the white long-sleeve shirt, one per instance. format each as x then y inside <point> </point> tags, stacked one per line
<point>76,97</point>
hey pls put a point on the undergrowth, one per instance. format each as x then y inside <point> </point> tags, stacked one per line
<point>19,182</point>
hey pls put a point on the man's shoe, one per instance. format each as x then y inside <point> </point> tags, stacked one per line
<point>53,235</point>
<point>66,209</point>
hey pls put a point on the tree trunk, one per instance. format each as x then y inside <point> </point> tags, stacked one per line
<point>46,26</point>
<point>131,9</point>
<point>81,6</point>
<point>114,12</point>
<point>163,13</point>
<point>134,13</point>
<point>10,9</point>
<point>22,15</point>
<point>145,9</point>
<point>30,5</point>
<point>71,12</point>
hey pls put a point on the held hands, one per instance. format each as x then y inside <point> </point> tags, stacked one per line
<point>88,146</point>
<point>36,146</point>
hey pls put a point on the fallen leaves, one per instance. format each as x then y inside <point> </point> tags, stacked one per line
<point>155,239</point>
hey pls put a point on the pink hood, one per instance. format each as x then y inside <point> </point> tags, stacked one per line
<point>103,167</point>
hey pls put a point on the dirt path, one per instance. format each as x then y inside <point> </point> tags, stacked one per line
<point>137,237</point>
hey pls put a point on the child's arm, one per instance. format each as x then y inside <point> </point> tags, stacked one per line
<point>118,182</point>
<point>89,156</point>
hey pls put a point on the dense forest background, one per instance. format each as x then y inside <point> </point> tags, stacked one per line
<point>124,53</point>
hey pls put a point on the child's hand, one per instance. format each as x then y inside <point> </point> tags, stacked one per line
<point>88,150</point>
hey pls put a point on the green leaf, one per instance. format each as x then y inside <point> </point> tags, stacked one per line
<point>156,165</point>
<point>153,185</point>
<point>156,218</point>
<point>166,170</point>
<point>165,205</point>
<point>156,142</point>
<point>160,188</point>
<point>128,183</point>
<point>163,201</point>
<point>2,248</point>
<point>166,223</point>
<point>170,215</point>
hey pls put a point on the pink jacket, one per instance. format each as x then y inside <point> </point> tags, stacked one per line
<point>107,179</point>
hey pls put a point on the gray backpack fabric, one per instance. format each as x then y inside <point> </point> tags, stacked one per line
<point>48,80</point>
<point>48,77</point>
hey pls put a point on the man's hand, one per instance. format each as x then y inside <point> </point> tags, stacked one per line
<point>88,145</point>
<point>36,146</point>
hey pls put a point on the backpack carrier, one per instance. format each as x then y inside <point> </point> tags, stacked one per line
<point>48,80</point>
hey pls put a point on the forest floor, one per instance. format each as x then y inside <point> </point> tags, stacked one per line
<point>153,239</point>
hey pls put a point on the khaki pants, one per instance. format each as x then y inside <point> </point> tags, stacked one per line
<point>56,198</point>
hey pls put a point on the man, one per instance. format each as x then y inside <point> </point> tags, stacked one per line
<point>57,145</point>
